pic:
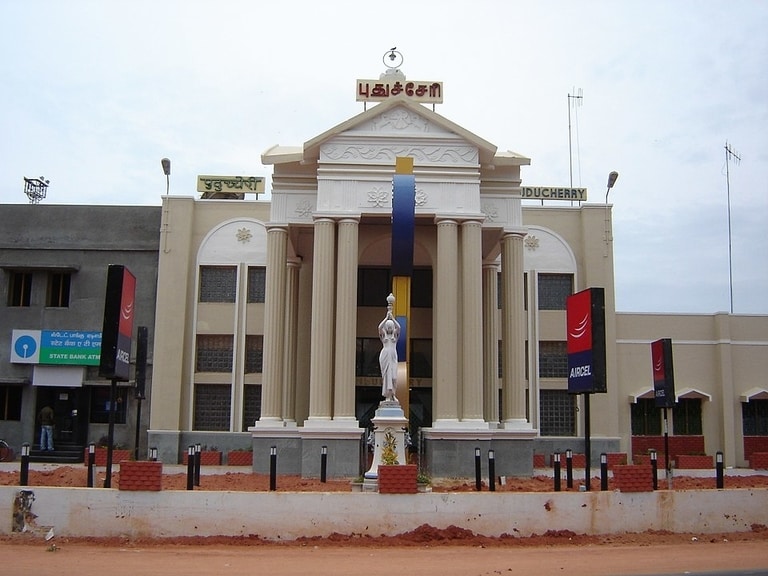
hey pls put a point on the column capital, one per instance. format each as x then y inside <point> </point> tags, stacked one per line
<point>276,226</point>
<point>515,232</point>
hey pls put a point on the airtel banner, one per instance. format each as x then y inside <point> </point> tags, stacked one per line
<point>119,310</point>
<point>585,317</point>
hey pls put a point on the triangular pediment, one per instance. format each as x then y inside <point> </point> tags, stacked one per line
<point>400,116</point>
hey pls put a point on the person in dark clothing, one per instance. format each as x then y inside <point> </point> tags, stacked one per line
<point>46,418</point>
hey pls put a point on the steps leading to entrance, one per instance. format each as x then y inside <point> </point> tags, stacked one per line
<point>64,454</point>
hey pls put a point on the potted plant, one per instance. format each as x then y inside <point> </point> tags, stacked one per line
<point>119,452</point>
<point>240,457</point>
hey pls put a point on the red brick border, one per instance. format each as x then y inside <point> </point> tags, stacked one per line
<point>633,478</point>
<point>141,475</point>
<point>399,479</point>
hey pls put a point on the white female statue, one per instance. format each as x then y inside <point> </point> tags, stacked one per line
<point>389,332</point>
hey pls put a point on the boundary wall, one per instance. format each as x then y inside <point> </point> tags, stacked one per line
<point>280,516</point>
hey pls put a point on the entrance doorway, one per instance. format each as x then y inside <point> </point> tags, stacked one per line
<point>70,408</point>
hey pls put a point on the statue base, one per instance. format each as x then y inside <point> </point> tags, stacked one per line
<point>389,421</point>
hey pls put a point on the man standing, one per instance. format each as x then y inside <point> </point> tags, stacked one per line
<point>46,428</point>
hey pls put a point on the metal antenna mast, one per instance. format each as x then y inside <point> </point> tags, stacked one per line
<point>574,100</point>
<point>729,154</point>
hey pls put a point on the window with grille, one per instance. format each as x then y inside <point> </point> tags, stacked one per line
<point>20,289</point>
<point>100,404</point>
<point>214,353</point>
<point>212,406</point>
<point>254,354</point>
<point>646,417</point>
<point>687,417</point>
<point>553,360</point>
<point>58,289</point>
<point>557,413</point>
<point>218,283</point>
<point>755,417</point>
<point>367,357</point>
<point>553,289</point>
<point>420,358</point>
<point>251,405</point>
<point>10,402</point>
<point>257,281</point>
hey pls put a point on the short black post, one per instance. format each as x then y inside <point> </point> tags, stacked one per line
<point>198,457</point>
<point>323,463</point>
<point>153,454</point>
<point>191,467</point>
<point>91,462</point>
<point>655,469</point>
<point>556,467</point>
<point>491,470</point>
<point>24,472</point>
<point>603,471</point>
<point>719,469</point>
<point>478,482</point>
<point>273,468</point>
<point>569,468</point>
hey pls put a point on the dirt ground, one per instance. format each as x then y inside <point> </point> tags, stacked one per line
<point>426,550</point>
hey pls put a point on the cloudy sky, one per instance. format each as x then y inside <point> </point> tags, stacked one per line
<point>95,93</point>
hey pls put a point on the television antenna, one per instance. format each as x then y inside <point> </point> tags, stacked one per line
<point>575,102</point>
<point>36,188</point>
<point>730,154</point>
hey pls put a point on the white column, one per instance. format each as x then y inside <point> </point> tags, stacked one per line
<point>321,331</point>
<point>346,323</point>
<point>274,326</point>
<point>291,339</point>
<point>472,322</point>
<point>446,319</point>
<point>513,332</point>
<point>490,342</point>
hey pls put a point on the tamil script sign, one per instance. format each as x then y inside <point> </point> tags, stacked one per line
<point>381,90</point>
<point>73,347</point>
<point>236,184</point>
<point>552,193</point>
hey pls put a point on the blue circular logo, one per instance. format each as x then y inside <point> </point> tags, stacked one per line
<point>25,346</point>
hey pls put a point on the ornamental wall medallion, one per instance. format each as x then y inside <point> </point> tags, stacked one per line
<point>490,211</point>
<point>380,197</point>
<point>531,242</point>
<point>421,197</point>
<point>243,235</point>
<point>304,209</point>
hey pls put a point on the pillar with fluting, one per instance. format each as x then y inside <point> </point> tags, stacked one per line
<point>445,338</point>
<point>291,339</point>
<point>490,342</point>
<point>471,325</point>
<point>274,325</point>
<point>346,322</point>
<point>321,330</point>
<point>513,331</point>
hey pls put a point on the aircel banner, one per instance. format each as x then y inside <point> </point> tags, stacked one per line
<point>119,310</point>
<point>585,318</point>
<point>663,373</point>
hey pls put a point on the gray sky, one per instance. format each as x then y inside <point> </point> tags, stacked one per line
<point>94,94</point>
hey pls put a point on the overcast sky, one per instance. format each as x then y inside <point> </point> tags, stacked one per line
<point>94,94</point>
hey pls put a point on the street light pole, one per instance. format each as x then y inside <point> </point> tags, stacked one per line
<point>607,237</point>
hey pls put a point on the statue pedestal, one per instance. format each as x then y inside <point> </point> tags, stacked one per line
<point>389,426</point>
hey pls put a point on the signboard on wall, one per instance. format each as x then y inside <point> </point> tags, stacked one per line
<point>553,193</point>
<point>585,317</point>
<point>58,347</point>
<point>381,90</point>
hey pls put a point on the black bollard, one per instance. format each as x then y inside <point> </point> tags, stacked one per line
<point>603,471</point>
<point>556,466</point>
<point>323,463</point>
<point>569,468</point>
<point>191,467</point>
<point>198,457</point>
<point>24,472</point>
<point>478,482</point>
<point>91,463</point>
<point>719,469</point>
<point>273,468</point>
<point>491,471</point>
<point>153,454</point>
<point>655,469</point>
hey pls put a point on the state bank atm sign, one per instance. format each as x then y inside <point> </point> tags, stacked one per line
<point>61,347</point>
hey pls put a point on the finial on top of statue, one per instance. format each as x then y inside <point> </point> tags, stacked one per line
<point>392,60</point>
<point>389,332</point>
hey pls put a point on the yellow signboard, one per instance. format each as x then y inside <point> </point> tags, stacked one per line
<point>553,193</point>
<point>233,184</point>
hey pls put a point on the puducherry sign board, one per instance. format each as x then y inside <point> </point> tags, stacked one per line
<point>382,90</point>
<point>553,193</point>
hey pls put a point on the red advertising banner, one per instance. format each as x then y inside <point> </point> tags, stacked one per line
<point>119,311</point>
<point>663,373</point>
<point>585,319</point>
